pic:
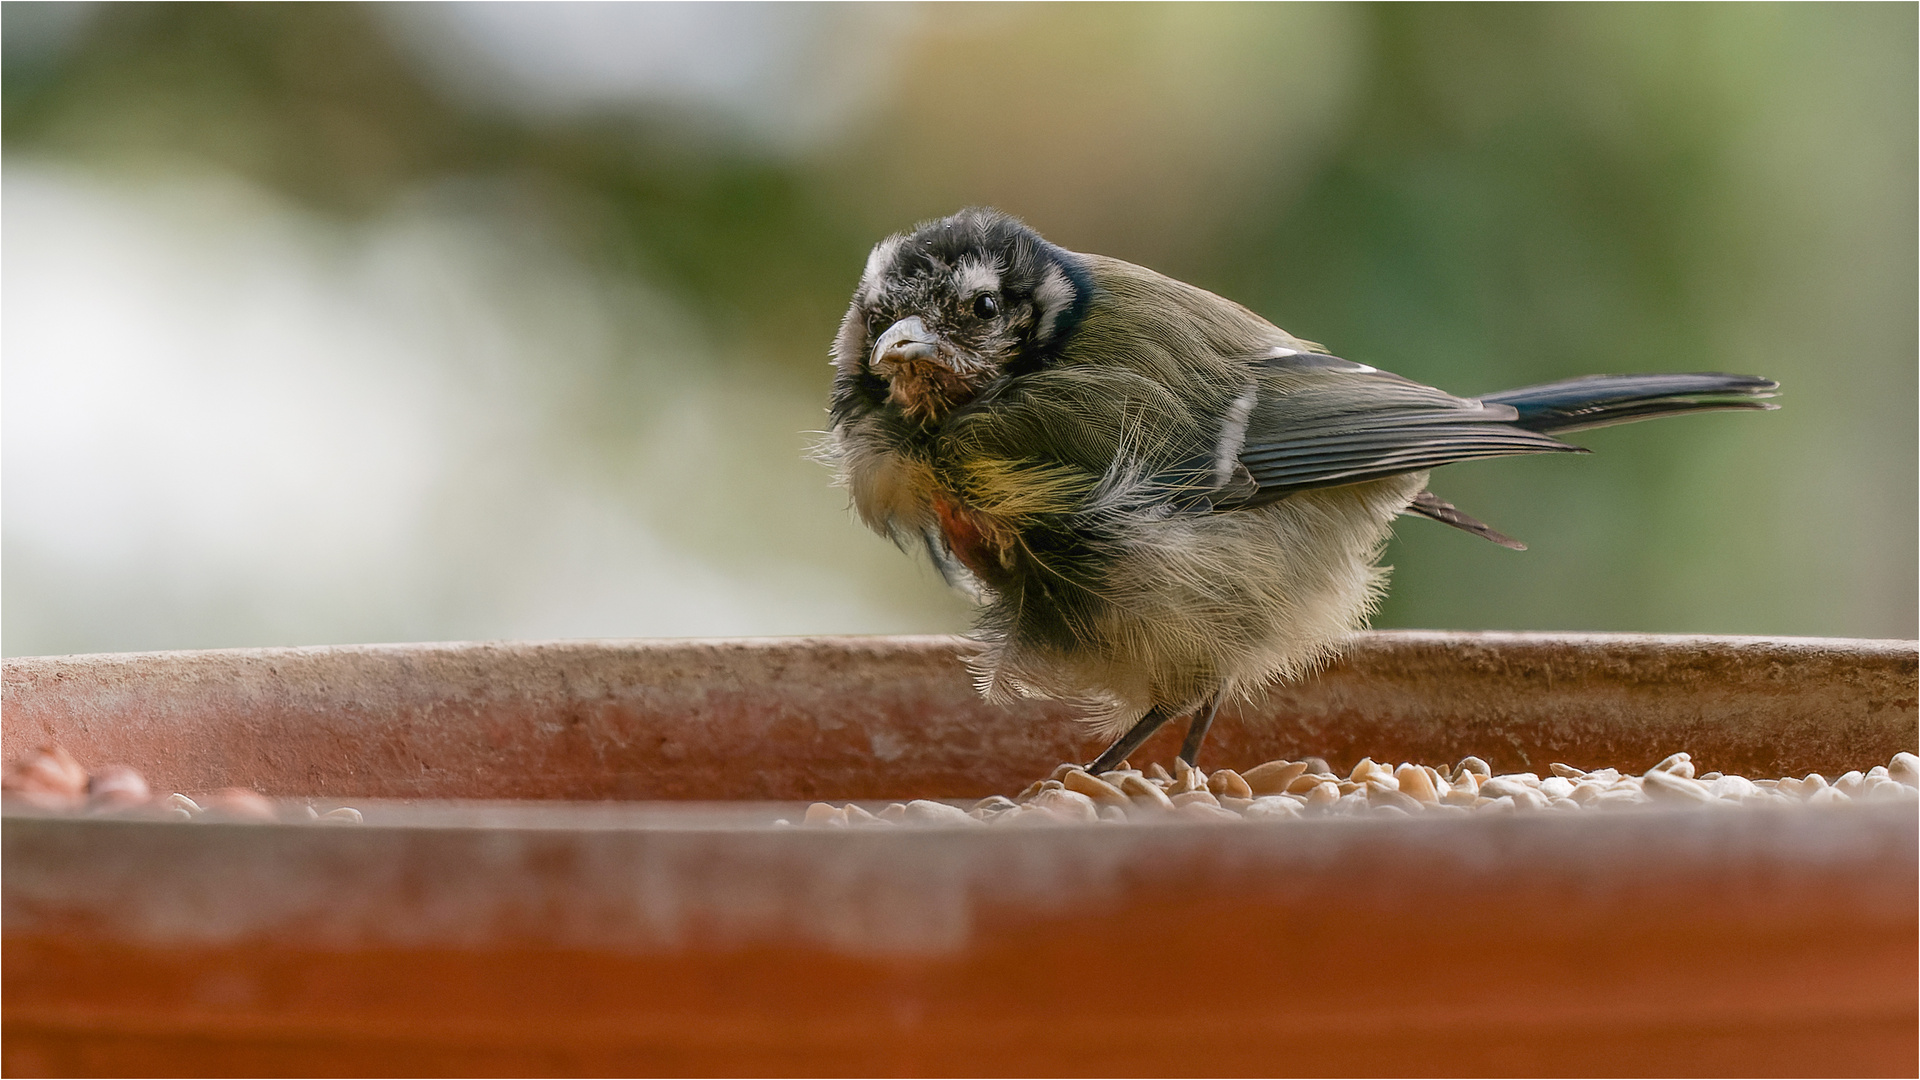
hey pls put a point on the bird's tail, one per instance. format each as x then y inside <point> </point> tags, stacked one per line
<point>1599,400</point>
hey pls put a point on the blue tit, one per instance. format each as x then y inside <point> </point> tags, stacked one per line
<point>1159,499</point>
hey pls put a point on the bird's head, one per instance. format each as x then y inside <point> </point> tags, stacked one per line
<point>944,311</point>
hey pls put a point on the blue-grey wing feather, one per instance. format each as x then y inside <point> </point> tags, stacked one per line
<point>1324,422</point>
<point>1320,421</point>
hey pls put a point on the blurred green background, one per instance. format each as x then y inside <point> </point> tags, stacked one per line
<point>392,322</point>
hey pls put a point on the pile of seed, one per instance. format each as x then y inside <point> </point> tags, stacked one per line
<point>1293,789</point>
<point>49,778</point>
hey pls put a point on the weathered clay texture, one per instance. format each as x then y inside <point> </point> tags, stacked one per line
<point>1764,942</point>
<point>847,718</point>
<point>546,937</point>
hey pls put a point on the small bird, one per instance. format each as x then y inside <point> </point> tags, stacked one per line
<point>1159,499</point>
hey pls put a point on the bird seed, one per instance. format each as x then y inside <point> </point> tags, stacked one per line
<point>1290,790</point>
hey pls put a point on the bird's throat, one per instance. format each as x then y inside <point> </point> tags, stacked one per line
<point>928,391</point>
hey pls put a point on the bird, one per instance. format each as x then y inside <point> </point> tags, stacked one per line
<point>1158,499</point>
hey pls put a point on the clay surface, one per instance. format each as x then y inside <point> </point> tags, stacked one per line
<point>885,718</point>
<point>531,934</point>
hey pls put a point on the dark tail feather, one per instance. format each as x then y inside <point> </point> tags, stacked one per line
<point>1599,400</point>
<point>1429,505</point>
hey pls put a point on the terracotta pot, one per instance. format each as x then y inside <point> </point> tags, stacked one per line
<point>683,932</point>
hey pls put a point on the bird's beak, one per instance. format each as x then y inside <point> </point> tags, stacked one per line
<point>905,342</point>
<point>925,376</point>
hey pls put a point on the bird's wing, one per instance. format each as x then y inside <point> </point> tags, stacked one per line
<point>1319,421</point>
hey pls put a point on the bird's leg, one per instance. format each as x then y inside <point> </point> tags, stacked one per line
<point>1128,743</point>
<point>1197,731</point>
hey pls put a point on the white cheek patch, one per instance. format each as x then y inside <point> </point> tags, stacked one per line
<point>974,276</point>
<point>879,261</point>
<point>1051,300</point>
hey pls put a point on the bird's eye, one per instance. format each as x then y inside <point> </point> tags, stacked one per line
<point>986,306</point>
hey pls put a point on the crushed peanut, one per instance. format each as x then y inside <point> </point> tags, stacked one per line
<point>48,778</point>
<point>1283,790</point>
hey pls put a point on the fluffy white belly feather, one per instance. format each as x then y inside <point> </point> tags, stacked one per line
<point>1221,603</point>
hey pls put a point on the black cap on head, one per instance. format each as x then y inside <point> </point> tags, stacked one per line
<point>992,295</point>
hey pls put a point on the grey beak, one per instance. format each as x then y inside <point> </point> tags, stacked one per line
<point>904,342</point>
